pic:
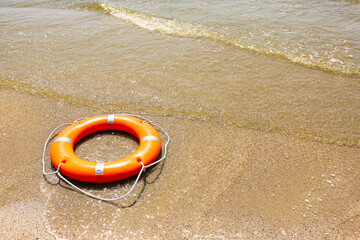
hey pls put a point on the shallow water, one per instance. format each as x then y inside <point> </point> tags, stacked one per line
<point>284,66</point>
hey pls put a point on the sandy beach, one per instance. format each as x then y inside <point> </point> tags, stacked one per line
<point>218,182</point>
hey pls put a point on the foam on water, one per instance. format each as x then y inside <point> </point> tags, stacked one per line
<point>186,29</point>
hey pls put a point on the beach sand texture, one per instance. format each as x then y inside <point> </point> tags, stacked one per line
<point>218,182</point>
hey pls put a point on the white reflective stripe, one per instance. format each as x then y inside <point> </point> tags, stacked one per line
<point>63,139</point>
<point>150,138</point>
<point>99,168</point>
<point>111,118</point>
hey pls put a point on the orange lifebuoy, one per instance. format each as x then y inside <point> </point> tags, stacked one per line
<point>62,149</point>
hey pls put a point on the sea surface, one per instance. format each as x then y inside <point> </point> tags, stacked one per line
<point>286,66</point>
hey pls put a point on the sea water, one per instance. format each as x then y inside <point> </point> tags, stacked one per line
<point>275,65</point>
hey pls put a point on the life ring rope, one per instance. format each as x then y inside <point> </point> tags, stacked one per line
<point>57,172</point>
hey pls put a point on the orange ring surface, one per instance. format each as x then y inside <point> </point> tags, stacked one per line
<point>62,149</point>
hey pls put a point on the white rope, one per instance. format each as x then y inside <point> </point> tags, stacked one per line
<point>88,193</point>
<point>98,197</point>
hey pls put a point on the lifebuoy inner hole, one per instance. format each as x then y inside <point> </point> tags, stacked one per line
<point>106,146</point>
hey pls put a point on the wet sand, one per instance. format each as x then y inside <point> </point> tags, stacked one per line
<point>218,182</point>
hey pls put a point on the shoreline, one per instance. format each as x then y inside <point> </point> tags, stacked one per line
<point>219,181</point>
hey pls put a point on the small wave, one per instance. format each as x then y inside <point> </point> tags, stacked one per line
<point>185,29</point>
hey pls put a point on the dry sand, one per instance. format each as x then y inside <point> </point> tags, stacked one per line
<point>218,182</point>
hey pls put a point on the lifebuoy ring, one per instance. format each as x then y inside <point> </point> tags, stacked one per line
<point>62,149</point>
